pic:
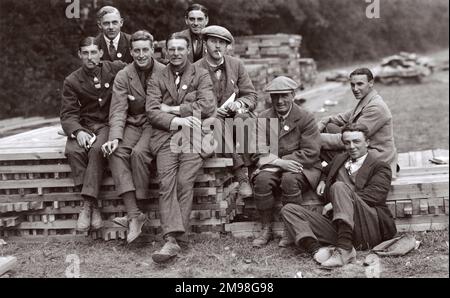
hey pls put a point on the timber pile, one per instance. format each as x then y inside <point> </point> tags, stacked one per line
<point>38,197</point>
<point>418,199</point>
<point>15,125</point>
<point>268,56</point>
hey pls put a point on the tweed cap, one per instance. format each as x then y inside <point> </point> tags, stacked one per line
<point>281,84</point>
<point>219,32</point>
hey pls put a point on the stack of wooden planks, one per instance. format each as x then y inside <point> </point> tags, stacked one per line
<point>38,197</point>
<point>14,125</point>
<point>418,199</point>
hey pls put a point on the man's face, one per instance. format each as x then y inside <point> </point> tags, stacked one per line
<point>110,25</point>
<point>142,51</point>
<point>178,51</point>
<point>282,102</point>
<point>196,21</point>
<point>216,47</point>
<point>355,143</point>
<point>360,86</point>
<point>90,56</point>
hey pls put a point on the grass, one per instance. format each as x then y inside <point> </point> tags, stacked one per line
<point>215,257</point>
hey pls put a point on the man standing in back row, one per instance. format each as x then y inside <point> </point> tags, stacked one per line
<point>114,43</point>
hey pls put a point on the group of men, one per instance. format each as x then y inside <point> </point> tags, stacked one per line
<point>124,108</point>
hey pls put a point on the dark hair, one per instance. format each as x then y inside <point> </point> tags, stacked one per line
<point>363,71</point>
<point>141,35</point>
<point>105,10</point>
<point>88,41</point>
<point>176,36</point>
<point>356,127</point>
<point>196,6</point>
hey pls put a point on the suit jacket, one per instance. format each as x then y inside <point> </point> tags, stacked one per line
<point>187,34</point>
<point>238,81</point>
<point>83,106</point>
<point>298,140</point>
<point>195,95</point>
<point>125,110</point>
<point>373,112</point>
<point>123,48</point>
<point>372,185</point>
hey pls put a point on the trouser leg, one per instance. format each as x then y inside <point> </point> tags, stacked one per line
<point>293,185</point>
<point>141,159</point>
<point>167,164</point>
<point>302,223</point>
<point>190,164</point>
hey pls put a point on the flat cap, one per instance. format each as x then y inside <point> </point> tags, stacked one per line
<point>219,32</point>
<point>281,84</point>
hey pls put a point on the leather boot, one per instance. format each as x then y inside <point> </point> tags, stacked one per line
<point>245,190</point>
<point>266,232</point>
<point>84,218</point>
<point>286,239</point>
<point>170,250</point>
<point>96,221</point>
<point>135,227</point>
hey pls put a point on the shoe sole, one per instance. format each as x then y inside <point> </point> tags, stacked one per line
<point>118,223</point>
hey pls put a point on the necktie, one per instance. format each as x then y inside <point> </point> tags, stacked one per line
<point>177,79</point>
<point>112,50</point>
<point>218,71</point>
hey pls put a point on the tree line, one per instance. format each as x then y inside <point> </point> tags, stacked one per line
<point>39,42</point>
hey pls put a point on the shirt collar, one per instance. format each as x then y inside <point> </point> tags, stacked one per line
<point>115,40</point>
<point>284,117</point>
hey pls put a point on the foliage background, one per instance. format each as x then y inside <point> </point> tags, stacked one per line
<point>39,42</point>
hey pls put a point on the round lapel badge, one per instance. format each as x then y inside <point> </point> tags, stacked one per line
<point>106,85</point>
<point>97,86</point>
<point>286,128</point>
<point>119,55</point>
<point>131,97</point>
<point>99,100</point>
<point>184,87</point>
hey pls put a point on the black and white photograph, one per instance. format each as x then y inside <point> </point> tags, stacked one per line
<point>223,145</point>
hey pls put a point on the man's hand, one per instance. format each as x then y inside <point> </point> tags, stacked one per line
<point>222,112</point>
<point>320,188</point>
<point>83,139</point>
<point>234,106</point>
<point>190,122</point>
<point>289,165</point>
<point>169,109</point>
<point>327,208</point>
<point>109,147</point>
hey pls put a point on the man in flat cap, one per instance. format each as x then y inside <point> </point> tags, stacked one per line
<point>295,168</point>
<point>230,78</point>
<point>371,111</point>
<point>114,43</point>
<point>130,130</point>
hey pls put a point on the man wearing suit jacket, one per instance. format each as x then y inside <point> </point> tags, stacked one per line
<point>196,18</point>
<point>296,167</point>
<point>86,98</point>
<point>179,96</point>
<point>128,147</point>
<point>371,111</point>
<point>229,76</point>
<point>114,43</point>
<point>356,184</point>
